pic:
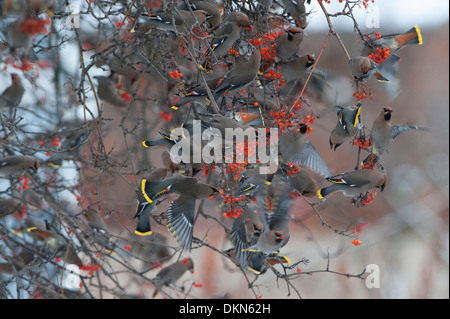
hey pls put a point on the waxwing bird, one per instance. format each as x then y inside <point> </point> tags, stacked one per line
<point>180,214</point>
<point>296,9</point>
<point>363,68</point>
<point>251,181</point>
<point>394,41</point>
<point>240,77</point>
<point>18,40</point>
<point>264,6</point>
<point>258,262</point>
<point>19,262</point>
<point>226,35</point>
<point>144,206</point>
<point>9,206</point>
<point>245,232</point>
<point>221,123</point>
<point>388,45</point>
<point>107,91</point>
<point>296,69</point>
<point>181,21</point>
<point>354,183</point>
<point>210,6</point>
<point>197,93</point>
<point>274,213</point>
<point>170,274</point>
<point>383,131</point>
<point>17,163</point>
<point>180,142</point>
<point>95,220</point>
<point>349,122</point>
<point>302,183</point>
<point>294,148</point>
<point>288,43</point>
<point>12,96</point>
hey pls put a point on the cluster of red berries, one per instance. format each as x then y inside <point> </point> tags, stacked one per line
<point>175,74</point>
<point>232,51</point>
<point>234,202</point>
<point>205,170</point>
<point>293,169</point>
<point>89,269</point>
<point>363,199</point>
<point>34,26</point>
<point>356,242</point>
<point>362,142</point>
<point>282,119</point>
<point>166,117</point>
<point>25,183</point>
<point>380,55</point>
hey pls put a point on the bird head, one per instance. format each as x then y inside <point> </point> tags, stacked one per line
<point>387,113</point>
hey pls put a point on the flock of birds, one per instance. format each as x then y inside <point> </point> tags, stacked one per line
<point>260,203</point>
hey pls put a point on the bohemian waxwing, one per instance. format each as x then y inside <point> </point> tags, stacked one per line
<point>296,69</point>
<point>294,148</point>
<point>302,183</point>
<point>226,35</point>
<point>296,9</point>
<point>12,96</point>
<point>18,262</point>
<point>354,183</point>
<point>144,206</point>
<point>107,91</point>
<point>209,6</point>
<point>180,21</point>
<point>363,68</point>
<point>180,214</point>
<point>288,43</point>
<point>274,213</point>
<point>245,232</point>
<point>170,274</point>
<point>349,122</point>
<point>240,77</point>
<point>17,164</point>
<point>389,45</point>
<point>9,206</point>
<point>383,131</point>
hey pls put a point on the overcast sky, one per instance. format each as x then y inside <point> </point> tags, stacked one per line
<point>393,14</point>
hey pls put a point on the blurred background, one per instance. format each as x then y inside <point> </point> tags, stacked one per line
<point>404,231</point>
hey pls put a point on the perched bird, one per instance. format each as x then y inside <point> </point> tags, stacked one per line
<point>240,77</point>
<point>107,91</point>
<point>176,143</point>
<point>388,45</point>
<point>9,206</point>
<point>12,96</point>
<point>354,183</point>
<point>288,43</point>
<point>296,9</point>
<point>17,163</point>
<point>100,231</point>
<point>181,21</point>
<point>226,35</point>
<point>302,183</point>
<point>264,6</point>
<point>144,206</point>
<point>251,181</point>
<point>221,123</point>
<point>209,6</point>
<point>18,40</point>
<point>294,148</point>
<point>170,274</point>
<point>19,262</point>
<point>197,93</point>
<point>383,131</point>
<point>363,68</point>
<point>349,122</point>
